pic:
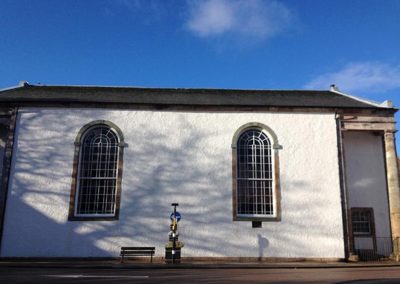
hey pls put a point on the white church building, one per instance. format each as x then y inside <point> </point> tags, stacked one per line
<point>263,174</point>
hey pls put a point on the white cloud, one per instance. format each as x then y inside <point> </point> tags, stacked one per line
<point>252,18</point>
<point>360,77</point>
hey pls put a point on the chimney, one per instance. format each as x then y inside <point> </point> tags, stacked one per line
<point>333,88</point>
<point>387,103</point>
<point>23,84</point>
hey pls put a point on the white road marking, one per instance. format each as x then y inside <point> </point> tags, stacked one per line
<point>96,276</point>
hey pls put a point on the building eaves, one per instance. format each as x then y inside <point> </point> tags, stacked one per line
<point>179,96</point>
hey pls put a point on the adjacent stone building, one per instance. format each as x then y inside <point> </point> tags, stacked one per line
<point>264,174</point>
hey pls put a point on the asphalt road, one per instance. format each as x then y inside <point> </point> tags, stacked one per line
<point>229,275</point>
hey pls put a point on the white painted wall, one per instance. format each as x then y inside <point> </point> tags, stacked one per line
<point>180,157</point>
<point>366,179</point>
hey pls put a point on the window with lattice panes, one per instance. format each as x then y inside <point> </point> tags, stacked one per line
<point>97,172</point>
<point>255,194</point>
<point>361,220</point>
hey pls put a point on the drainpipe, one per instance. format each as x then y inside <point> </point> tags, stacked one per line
<point>343,190</point>
<point>5,178</point>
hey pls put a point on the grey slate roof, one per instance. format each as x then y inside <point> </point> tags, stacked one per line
<point>27,94</point>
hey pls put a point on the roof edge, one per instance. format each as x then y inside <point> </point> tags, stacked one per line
<point>23,85</point>
<point>20,85</point>
<point>386,104</point>
<point>26,84</point>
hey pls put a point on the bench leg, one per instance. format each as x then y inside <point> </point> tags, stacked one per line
<point>151,258</point>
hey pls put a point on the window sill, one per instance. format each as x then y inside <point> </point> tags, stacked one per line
<point>253,218</point>
<point>93,218</point>
<point>358,235</point>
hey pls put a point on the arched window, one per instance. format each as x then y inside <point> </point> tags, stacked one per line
<point>97,179</point>
<point>256,180</point>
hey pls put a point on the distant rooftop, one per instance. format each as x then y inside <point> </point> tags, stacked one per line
<point>33,94</point>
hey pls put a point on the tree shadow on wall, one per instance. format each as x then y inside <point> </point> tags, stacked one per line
<point>163,163</point>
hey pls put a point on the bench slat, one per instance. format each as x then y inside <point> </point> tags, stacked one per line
<point>137,251</point>
<point>137,248</point>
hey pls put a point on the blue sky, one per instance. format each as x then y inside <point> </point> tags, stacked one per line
<point>247,44</point>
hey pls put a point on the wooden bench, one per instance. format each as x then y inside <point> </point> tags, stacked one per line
<point>137,251</point>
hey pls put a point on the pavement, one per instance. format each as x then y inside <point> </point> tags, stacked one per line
<point>143,264</point>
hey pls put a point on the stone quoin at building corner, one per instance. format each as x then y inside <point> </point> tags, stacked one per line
<point>263,174</point>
